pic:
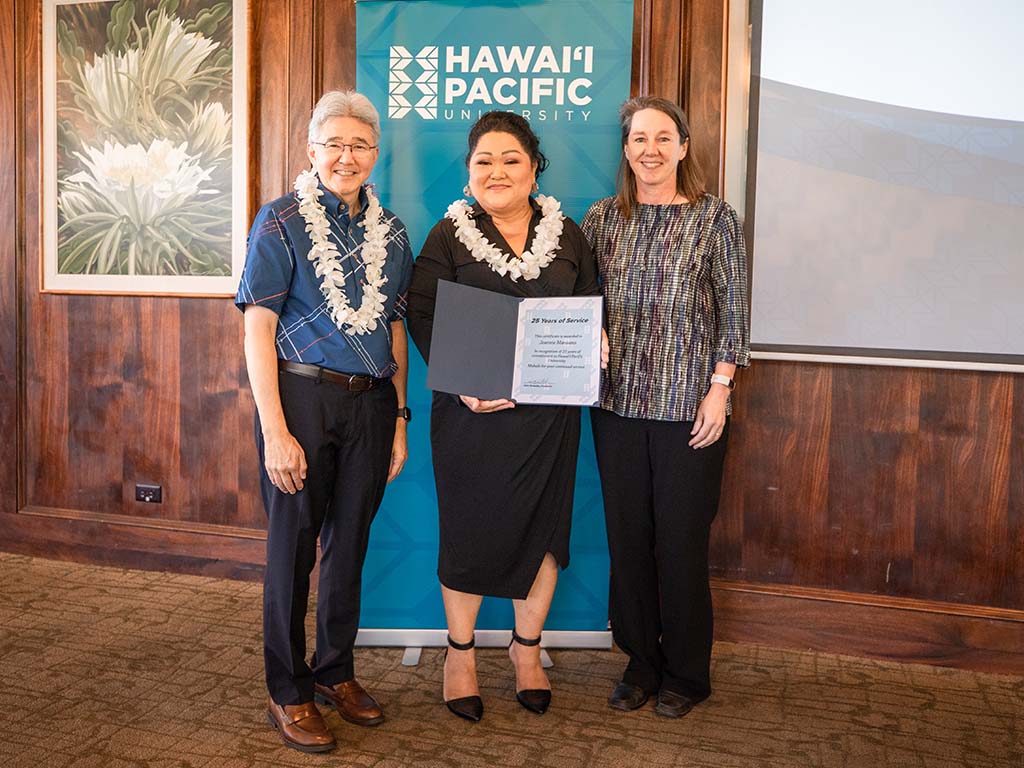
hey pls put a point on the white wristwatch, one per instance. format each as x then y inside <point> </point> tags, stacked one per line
<point>717,378</point>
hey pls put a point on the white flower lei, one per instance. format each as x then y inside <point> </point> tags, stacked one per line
<point>527,266</point>
<point>326,257</point>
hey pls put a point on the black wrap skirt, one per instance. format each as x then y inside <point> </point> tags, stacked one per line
<point>504,488</point>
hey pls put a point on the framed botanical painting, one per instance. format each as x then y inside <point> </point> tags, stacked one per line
<point>144,157</point>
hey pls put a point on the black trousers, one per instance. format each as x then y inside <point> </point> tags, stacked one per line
<point>347,438</point>
<point>660,497</point>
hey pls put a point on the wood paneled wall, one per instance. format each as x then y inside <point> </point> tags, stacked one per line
<point>11,174</point>
<point>859,502</point>
<point>679,52</point>
<point>904,482</point>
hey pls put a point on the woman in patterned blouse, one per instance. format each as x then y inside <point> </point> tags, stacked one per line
<point>673,268</point>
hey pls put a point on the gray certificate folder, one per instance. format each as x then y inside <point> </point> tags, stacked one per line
<point>544,351</point>
<point>473,345</point>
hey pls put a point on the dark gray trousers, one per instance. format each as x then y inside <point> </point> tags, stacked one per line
<point>347,438</point>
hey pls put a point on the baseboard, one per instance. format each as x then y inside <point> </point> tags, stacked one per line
<point>917,631</point>
<point>113,540</point>
<point>182,526</point>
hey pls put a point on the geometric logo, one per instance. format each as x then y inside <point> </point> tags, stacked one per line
<point>404,94</point>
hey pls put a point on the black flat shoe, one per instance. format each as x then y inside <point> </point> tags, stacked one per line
<point>467,707</point>
<point>672,704</point>
<point>627,697</point>
<point>536,700</point>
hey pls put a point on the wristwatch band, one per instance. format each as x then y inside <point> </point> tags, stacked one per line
<point>405,413</point>
<point>718,378</point>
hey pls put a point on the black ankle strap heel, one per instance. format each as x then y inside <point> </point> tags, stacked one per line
<point>468,707</point>
<point>536,700</point>
<point>464,646</point>
<point>522,640</point>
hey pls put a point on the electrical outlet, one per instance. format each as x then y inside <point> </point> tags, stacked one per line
<point>152,494</point>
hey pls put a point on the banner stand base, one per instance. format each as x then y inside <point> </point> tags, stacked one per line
<point>415,640</point>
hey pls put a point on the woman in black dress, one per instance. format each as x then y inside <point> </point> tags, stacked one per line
<point>504,472</point>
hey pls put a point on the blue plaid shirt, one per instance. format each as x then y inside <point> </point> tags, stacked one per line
<point>278,275</point>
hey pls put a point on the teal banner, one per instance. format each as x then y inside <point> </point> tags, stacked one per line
<point>432,68</point>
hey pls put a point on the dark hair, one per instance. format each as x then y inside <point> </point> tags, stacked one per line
<point>508,122</point>
<point>689,176</point>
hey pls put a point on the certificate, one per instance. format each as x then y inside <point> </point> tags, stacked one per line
<point>539,351</point>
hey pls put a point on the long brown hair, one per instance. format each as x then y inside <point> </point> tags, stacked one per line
<point>689,176</point>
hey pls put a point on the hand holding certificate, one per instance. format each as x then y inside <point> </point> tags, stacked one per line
<point>538,351</point>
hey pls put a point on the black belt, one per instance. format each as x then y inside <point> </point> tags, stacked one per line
<point>353,382</point>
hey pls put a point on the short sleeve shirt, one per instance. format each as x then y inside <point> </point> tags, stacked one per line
<point>278,275</point>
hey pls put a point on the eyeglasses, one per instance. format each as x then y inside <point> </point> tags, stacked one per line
<point>336,149</point>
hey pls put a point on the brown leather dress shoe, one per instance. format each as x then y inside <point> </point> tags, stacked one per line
<point>301,726</point>
<point>352,702</point>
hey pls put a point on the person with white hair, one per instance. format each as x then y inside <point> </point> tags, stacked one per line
<point>324,296</point>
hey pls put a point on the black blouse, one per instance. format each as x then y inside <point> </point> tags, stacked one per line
<point>573,272</point>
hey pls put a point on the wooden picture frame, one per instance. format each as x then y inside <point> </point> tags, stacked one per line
<point>144,130</point>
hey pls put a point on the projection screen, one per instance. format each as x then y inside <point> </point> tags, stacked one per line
<point>886,181</point>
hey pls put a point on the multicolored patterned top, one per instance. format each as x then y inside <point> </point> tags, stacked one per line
<point>279,275</point>
<point>674,279</point>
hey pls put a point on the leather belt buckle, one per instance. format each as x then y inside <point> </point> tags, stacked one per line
<point>357,383</point>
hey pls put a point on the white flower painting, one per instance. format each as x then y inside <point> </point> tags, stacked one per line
<point>141,117</point>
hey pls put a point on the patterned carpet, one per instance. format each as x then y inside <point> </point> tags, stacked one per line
<point>108,668</point>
